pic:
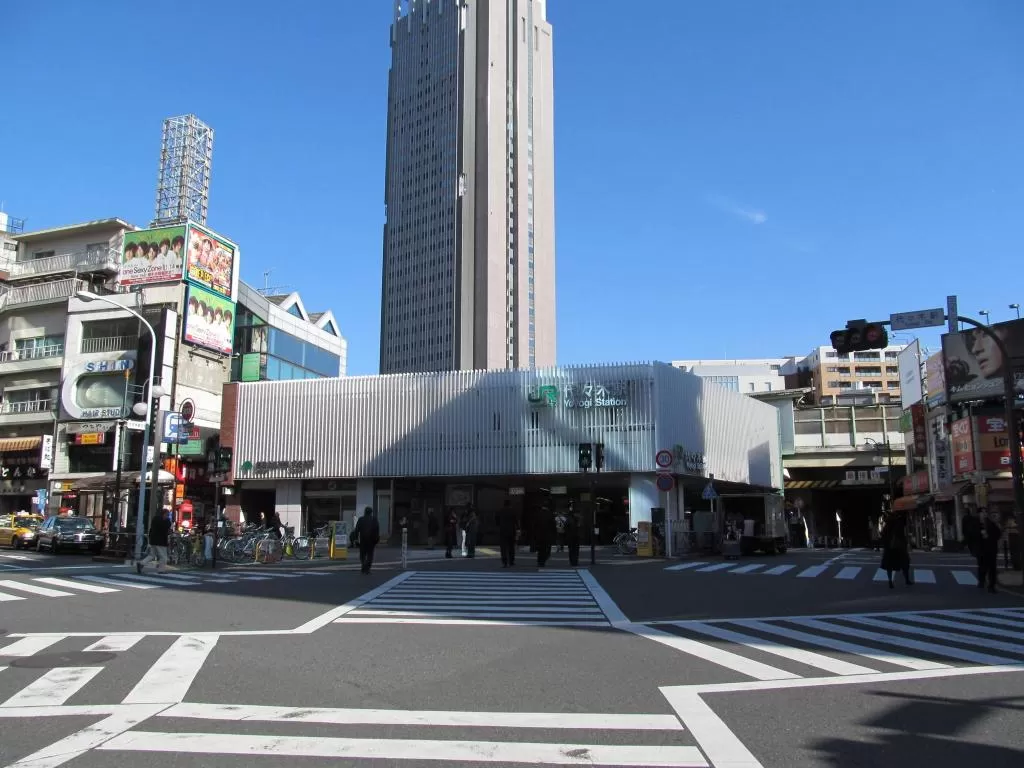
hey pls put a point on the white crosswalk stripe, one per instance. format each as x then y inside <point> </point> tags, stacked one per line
<point>840,570</point>
<point>913,640</point>
<point>29,588</point>
<point>551,598</point>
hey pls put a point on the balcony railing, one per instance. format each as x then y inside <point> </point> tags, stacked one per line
<point>28,406</point>
<point>110,344</point>
<point>31,294</point>
<point>33,353</point>
<point>73,261</point>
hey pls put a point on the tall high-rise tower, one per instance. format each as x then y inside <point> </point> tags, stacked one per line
<point>469,235</point>
<point>186,155</point>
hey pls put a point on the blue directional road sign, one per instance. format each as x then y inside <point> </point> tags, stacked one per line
<point>176,429</point>
<point>709,492</point>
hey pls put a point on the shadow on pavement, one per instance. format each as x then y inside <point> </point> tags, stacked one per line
<point>926,730</point>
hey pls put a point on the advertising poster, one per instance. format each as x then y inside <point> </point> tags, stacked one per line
<point>974,364</point>
<point>935,380</point>
<point>920,425</point>
<point>209,320</point>
<point>212,261</point>
<point>993,443</point>
<point>152,256</point>
<point>909,361</point>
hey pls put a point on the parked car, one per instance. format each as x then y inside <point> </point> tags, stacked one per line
<point>19,530</point>
<point>58,533</point>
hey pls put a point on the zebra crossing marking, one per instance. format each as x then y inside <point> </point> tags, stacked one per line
<point>684,566</point>
<point>747,568</point>
<point>965,578</point>
<point>810,573</point>
<point>557,598</point>
<point>75,585</point>
<point>715,567</point>
<point>778,570</point>
<point>54,688</point>
<point>849,572</point>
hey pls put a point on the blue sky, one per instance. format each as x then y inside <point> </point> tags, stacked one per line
<point>732,178</point>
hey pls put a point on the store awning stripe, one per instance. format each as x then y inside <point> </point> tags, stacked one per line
<point>11,444</point>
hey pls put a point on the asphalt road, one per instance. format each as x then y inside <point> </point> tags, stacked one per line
<point>463,663</point>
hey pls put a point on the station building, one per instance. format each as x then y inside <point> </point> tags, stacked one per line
<point>413,446</point>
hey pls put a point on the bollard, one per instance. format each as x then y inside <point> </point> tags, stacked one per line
<point>405,546</point>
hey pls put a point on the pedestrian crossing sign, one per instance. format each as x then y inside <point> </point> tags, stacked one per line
<point>709,492</point>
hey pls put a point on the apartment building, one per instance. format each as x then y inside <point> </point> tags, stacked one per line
<point>861,377</point>
<point>71,369</point>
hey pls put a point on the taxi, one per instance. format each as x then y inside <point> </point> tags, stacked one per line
<point>19,530</point>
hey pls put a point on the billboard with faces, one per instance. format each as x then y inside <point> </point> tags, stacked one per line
<point>974,365</point>
<point>152,256</point>
<point>211,262</point>
<point>209,320</point>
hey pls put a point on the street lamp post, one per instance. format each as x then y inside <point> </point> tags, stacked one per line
<point>1016,308</point>
<point>984,313</point>
<point>152,393</point>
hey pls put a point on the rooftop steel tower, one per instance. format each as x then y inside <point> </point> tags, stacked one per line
<point>186,155</point>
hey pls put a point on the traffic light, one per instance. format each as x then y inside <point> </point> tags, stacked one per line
<point>586,459</point>
<point>224,455</point>
<point>599,456</point>
<point>859,336</point>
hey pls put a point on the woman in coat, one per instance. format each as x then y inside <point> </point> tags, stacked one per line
<point>896,548</point>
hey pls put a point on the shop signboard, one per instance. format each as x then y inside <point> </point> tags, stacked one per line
<point>212,262</point>
<point>938,457</point>
<point>580,396</point>
<point>974,365</point>
<point>152,256</point>
<point>919,422</point>
<point>993,443</point>
<point>909,361</point>
<point>644,542</point>
<point>962,439</point>
<point>339,540</point>
<point>209,320</point>
<point>46,454</point>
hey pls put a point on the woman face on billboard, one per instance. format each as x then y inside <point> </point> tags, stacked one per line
<point>986,353</point>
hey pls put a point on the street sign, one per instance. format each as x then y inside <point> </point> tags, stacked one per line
<point>174,428</point>
<point>709,492</point>
<point>188,409</point>
<point>922,318</point>
<point>665,482</point>
<point>137,426</point>
<point>664,459</point>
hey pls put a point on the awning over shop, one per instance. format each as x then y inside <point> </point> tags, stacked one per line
<point>128,479</point>
<point>910,503</point>
<point>11,444</point>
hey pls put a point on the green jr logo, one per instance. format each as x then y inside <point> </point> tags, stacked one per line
<point>546,396</point>
<point>246,467</point>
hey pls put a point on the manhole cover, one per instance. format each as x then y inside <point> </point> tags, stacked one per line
<point>70,659</point>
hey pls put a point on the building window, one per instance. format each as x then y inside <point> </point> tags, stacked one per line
<point>893,385</point>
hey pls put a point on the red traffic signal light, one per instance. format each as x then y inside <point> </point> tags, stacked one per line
<point>860,337</point>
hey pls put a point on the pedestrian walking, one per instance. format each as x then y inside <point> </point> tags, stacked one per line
<point>462,531</point>
<point>472,528</point>
<point>560,521</point>
<point>451,533</point>
<point>507,529</point>
<point>367,534</point>
<point>573,524</point>
<point>987,551</point>
<point>159,534</point>
<point>545,534</point>
<point>896,548</point>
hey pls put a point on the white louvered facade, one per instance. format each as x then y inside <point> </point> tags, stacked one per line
<point>483,423</point>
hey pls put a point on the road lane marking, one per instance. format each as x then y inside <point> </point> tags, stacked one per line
<point>115,643</point>
<point>810,658</point>
<point>722,658</point>
<point>160,582</point>
<point>965,578</point>
<point>715,567</point>
<point>810,573</point>
<point>449,751</point>
<point>169,679</point>
<point>428,718</point>
<point>116,582</point>
<point>954,637</point>
<point>719,744</point>
<point>329,616</point>
<point>778,570</point>
<point>53,688</point>
<point>903,642</point>
<point>936,622</point>
<point>849,572</point>
<point>979,616</point>
<point>33,589</point>
<point>841,645</point>
<point>481,622</point>
<point>28,646</point>
<point>67,583</point>
<point>603,599</point>
<point>5,598</point>
<point>684,566</point>
<point>748,568</point>
<point>924,576</point>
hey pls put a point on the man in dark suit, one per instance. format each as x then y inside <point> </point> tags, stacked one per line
<point>367,533</point>
<point>508,525</point>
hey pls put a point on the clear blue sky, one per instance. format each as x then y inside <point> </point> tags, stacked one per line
<point>733,178</point>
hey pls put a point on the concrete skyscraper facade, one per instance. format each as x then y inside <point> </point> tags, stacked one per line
<point>469,236</point>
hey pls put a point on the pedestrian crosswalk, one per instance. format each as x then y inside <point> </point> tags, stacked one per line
<point>27,587</point>
<point>141,684</point>
<point>839,571</point>
<point>552,598</point>
<point>851,643</point>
